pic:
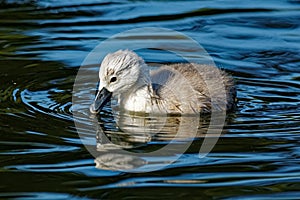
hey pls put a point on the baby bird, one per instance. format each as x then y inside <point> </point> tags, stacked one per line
<point>182,88</point>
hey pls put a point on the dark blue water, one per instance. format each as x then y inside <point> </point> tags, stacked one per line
<point>43,44</point>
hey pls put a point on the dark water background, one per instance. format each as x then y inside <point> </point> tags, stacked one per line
<point>43,43</point>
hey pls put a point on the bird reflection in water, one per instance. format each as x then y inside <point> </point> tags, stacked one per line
<point>135,139</point>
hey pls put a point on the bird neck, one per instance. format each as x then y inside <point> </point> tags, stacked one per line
<point>144,87</point>
<point>138,99</point>
<point>144,80</point>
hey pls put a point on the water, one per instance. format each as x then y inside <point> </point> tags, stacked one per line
<point>44,43</point>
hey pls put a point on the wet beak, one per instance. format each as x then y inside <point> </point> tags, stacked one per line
<point>102,97</point>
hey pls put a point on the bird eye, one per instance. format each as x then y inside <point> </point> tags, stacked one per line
<point>113,79</point>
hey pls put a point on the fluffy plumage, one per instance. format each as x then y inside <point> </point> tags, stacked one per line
<point>177,88</point>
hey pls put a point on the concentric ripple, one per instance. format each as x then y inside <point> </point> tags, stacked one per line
<point>43,43</point>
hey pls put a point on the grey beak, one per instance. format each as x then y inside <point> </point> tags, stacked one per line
<point>102,97</point>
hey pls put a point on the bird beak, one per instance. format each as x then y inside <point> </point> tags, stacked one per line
<point>102,97</point>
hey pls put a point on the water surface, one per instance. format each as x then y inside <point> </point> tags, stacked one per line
<point>43,45</point>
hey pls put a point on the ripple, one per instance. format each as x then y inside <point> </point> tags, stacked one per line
<point>45,102</point>
<point>44,42</point>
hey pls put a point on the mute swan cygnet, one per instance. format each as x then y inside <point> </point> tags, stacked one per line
<point>182,88</point>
